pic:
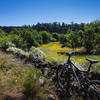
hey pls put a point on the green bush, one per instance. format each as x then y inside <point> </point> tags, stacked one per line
<point>46,36</point>
<point>62,38</point>
<point>32,86</point>
<point>2,33</point>
<point>16,39</point>
<point>53,39</point>
<point>29,36</point>
<point>11,39</point>
<point>56,36</point>
<point>6,44</point>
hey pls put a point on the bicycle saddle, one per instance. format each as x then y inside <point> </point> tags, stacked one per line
<point>92,61</point>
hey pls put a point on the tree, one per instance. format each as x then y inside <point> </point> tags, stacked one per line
<point>89,38</point>
<point>73,39</point>
<point>62,39</point>
<point>56,36</point>
<point>2,33</point>
<point>46,36</point>
<point>80,34</point>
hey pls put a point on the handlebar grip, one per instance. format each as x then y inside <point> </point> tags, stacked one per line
<point>69,53</point>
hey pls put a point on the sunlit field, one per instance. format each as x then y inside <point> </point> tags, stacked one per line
<point>51,50</point>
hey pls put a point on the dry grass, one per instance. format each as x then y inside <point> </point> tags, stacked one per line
<point>15,76</point>
<point>11,73</point>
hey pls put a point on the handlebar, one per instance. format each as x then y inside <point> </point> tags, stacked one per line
<point>69,55</point>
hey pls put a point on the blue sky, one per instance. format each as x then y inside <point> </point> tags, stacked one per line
<point>21,12</point>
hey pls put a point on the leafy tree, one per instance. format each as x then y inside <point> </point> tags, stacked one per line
<point>80,34</point>
<point>73,39</point>
<point>89,38</point>
<point>56,36</point>
<point>46,36</point>
<point>30,39</point>
<point>16,39</point>
<point>2,33</point>
<point>30,36</point>
<point>62,39</point>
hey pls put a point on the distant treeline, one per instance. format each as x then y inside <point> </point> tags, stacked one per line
<point>72,35</point>
<point>50,27</point>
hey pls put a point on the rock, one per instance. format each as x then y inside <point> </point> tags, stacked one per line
<point>95,75</point>
<point>96,51</point>
<point>51,97</point>
<point>15,96</point>
<point>42,81</point>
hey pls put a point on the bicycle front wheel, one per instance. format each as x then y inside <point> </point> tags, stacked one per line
<point>62,76</point>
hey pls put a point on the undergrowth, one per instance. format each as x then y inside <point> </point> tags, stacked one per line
<point>20,77</point>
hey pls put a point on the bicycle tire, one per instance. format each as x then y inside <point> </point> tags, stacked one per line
<point>62,78</point>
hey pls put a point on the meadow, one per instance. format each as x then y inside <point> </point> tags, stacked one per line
<point>52,56</point>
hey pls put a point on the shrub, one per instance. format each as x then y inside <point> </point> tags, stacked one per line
<point>32,86</point>
<point>56,36</point>
<point>53,39</point>
<point>54,61</point>
<point>9,44</point>
<point>7,41</point>
<point>28,36</point>
<point>2,33</point>
<point>18,52</point>
<point>36,53</point>
<point>62,38</point>
<point>16,39</point>
<point>6,44</point>
<point>46,36</point>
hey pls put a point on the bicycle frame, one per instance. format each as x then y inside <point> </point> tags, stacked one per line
<point>72,65</point>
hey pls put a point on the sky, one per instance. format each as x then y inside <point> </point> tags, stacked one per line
<point>29,12</point>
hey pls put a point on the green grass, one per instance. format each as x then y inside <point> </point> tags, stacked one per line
<point>81,60</point>
<point>51,50</point>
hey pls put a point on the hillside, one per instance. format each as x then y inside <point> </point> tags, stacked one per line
<point>22,80</point>
<point>29,59</point>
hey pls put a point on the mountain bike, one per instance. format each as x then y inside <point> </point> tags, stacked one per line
<point>69,72</point>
